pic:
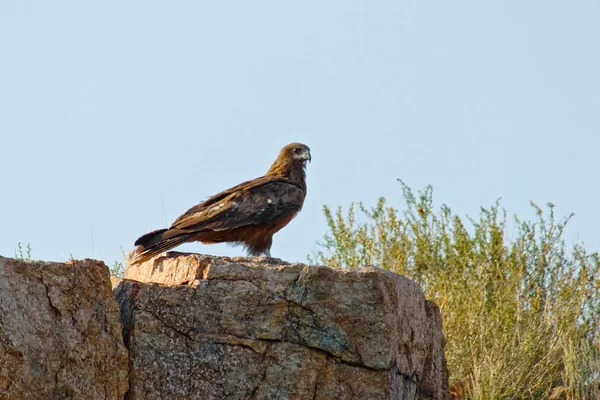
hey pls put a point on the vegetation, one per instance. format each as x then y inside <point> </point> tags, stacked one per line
<point>520,314</point>
<point>117,270</point>
<point>23,253</point>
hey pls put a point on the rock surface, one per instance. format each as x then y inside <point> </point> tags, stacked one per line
<point>60,332</point>
<point>201,327</point>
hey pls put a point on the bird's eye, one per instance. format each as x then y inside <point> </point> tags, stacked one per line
<point>296,150</point>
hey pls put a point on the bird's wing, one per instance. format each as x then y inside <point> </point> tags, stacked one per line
<point>255,202</point>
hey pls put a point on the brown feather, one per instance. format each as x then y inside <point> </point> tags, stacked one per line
<point>248,214</point>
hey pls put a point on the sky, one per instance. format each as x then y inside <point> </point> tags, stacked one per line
<point>117,117</point>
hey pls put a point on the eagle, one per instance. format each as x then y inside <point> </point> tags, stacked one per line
<point>248,214</point>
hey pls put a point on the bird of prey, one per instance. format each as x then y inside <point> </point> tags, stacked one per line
<point>248,214</point>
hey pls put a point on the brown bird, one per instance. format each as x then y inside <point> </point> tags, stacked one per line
<point>248,214</point>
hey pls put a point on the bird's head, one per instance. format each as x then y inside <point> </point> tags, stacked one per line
<point>297,152</point>
<point>291,162</point>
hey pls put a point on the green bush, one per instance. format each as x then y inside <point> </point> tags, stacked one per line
<point>520,314</point>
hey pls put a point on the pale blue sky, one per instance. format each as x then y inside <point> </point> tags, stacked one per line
<point>116,117</point>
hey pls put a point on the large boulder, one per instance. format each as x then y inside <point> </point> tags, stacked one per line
<point>60,332</point>
<point>202,327</point>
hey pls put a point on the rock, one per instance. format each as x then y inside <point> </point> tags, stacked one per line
<point>431,387</point>
<point>60,332</point>
<point>240,328</point>
<point>115,281</point>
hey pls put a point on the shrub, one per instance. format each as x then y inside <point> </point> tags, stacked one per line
<point>118,269</point>
<point>521,314</point>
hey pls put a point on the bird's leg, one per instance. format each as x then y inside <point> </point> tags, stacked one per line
<point>268,253</point>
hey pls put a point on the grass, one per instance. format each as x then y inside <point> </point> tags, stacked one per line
<point>23,253</point>
<point>520,315</point>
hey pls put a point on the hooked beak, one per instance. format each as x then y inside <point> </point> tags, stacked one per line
<point>306,156</point>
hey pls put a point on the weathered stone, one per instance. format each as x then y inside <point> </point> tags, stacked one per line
<point>434,383</point>
<point>115,281</point>
<point>340,381</point>
<point>60,332</point>
<point>215,327</point>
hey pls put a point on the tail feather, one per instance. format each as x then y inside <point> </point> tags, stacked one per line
<point>157,242</point>
<point>145,240</point>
